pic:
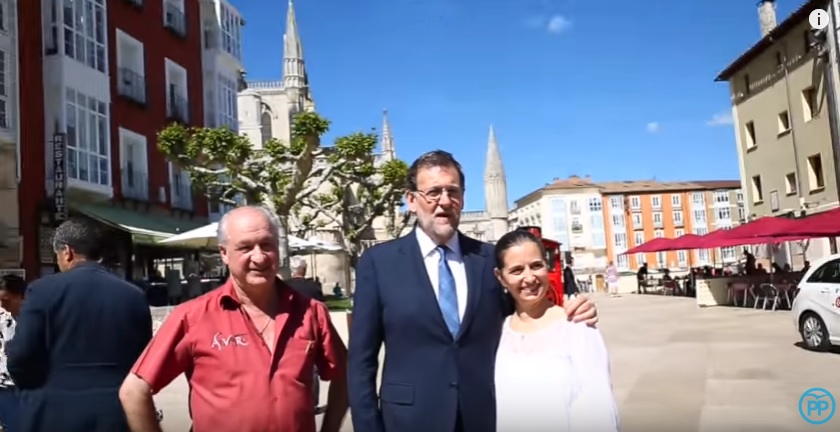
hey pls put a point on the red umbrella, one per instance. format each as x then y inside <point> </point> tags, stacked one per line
<point>656,245</point>
<point>685,242</point>
<point>763,227</point>
<point>825,224</point>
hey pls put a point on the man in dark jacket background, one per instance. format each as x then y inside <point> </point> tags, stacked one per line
<point>301,284</point>
<point>77,336</point>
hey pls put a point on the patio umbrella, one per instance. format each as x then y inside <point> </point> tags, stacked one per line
<point>205,238</point>
<point>655,245</point>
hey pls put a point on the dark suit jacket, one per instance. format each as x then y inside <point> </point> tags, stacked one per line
<point>569,281</point>
<point>428,375</point>
<point>307,287</point>
<point>77,336</point>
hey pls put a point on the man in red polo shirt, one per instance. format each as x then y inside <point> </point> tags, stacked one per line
<point>248,348</point>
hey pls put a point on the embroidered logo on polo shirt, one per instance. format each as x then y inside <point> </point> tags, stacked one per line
<point>220,341</point>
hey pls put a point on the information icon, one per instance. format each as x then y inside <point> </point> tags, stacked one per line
<point>818,19</point>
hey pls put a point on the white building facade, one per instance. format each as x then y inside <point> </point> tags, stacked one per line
<point>9,136</point>
<point>222,66</point>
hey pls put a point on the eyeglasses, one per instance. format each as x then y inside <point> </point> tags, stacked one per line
<point>434,194</point>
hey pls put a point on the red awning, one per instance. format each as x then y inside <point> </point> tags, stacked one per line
<point>654,245</point>
<point>825,224</point>
<point>763,227</point>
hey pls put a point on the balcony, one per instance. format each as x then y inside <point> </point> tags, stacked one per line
<point>181,194</point>
<point>135,184</point>
<point>174,20</point>
<point>177,109</point>
<point>131,85</point>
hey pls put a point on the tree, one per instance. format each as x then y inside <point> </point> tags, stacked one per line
<point>361,189</point>
<point>299,180</point>
<point>227,168</point>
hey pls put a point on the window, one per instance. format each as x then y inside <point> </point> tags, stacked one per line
<point>637,221</point>
<point>723,214</point>
<point>722,197</point>
<point>622,262</point>
<point>227,103</point>
<point>676,200</point>
<point>809,103</point>
<point>635,203</point>
<point>827,273</point>
<point>616,202</point>
<point>133,165</point>
<point>682,258</point>
<point>742,213</point>
<point>88,139</point>
<point>577,227</point>
<point>657,219</point>
<point>638,238</point>
<point>660,260</point>
<point>790,183</point>
<point>757,193</point>
<point>678,218</point>
<point>4,90</point>
<point>749,135</point>
<point>231,37</point>
<point>618,220</point>
<point>84,32</point>
<point>4,27</point>
<point>703,256</point>
<point>177,97</point>
<point>698,199</point>
<point>784,122</point>
<point>131,69</point>
<point>747,84</point>
<point>173,16</point>
<point>599,240</point>
<point>656,202</point>
<point>180,188</point>
<point>699,216</point>
<point>659,234</point>
<point>774,200</point>
<point>679,233</point>
<point>739,197</point>
<point>574,207</point>
<point>728,254</point>
<point>595,204</point>
<point>779,59</point>
<point>620,241</point>
<point>815,172</point>
<point>640,259</point>
<point>596,221</point>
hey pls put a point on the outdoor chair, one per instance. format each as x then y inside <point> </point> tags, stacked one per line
<point>736,289</point>
<point>766,293</point>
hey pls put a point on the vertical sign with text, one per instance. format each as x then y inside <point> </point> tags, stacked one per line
<point>60,176</point>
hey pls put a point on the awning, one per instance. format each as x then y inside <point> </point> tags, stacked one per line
<point>144,228</point>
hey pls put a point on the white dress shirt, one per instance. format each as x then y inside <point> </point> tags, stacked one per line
<point>431,258</point>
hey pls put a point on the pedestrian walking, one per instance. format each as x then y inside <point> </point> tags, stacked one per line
<point>77,335</point>
<point>432,299</point>
<point>612,279</point>
<point>249,346</point>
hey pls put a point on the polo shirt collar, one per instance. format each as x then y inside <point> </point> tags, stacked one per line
<point>230,300</point>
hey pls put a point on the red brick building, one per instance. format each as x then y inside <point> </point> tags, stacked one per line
<point>103,77</point>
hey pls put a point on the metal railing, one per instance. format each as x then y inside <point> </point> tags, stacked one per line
<point>131,85</point>
<point>175,19</point>
<point>177,108</point>
<point>135,184</point>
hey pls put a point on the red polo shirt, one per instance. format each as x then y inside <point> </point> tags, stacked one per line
<point>236,384</point>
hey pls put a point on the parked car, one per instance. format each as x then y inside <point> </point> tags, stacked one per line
<point>816,308</point>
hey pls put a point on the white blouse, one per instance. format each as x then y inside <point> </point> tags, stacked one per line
<point>554,379</point>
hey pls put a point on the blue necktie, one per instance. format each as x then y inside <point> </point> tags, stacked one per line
<point>447,295</point>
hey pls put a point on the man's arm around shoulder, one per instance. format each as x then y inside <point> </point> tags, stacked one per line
<point>366,336</point>
<point>27,351</point>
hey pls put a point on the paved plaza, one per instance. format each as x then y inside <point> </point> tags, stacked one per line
<point>677,367</point>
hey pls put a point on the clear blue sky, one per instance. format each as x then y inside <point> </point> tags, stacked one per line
<point>618,90</point>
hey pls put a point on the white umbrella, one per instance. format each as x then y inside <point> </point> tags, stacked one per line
<point>205,238</point>
<point>324,245</point>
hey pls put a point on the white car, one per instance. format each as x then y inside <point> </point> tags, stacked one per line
<point>816,308</point>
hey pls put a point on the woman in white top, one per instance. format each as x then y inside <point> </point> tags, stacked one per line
<point>551,374</point>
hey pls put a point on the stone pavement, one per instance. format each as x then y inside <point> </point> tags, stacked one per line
<point>679,367</point>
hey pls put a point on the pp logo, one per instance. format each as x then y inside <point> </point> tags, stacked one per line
<point>817,406</point>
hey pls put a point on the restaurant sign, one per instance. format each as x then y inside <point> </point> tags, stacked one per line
<point>60,176</point>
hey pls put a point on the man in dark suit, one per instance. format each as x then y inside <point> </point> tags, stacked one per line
<point>432,299</point>
<point>78,334</point>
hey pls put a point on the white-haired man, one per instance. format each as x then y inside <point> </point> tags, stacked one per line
<point>300,283</point>
<point>250,345</point>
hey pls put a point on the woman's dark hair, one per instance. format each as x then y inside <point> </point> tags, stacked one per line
<point>13,284</point>
<point>515,238</point>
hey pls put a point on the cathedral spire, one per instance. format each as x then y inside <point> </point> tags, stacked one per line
<point>388,151</point>
<point>495,188</point>
<point>294,70</point>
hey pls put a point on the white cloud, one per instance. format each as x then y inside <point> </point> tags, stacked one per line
<point>720,119</point>
<point>653,127</point>
<point>557,24</point>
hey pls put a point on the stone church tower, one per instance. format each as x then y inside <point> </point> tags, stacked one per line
<point>495,189</point>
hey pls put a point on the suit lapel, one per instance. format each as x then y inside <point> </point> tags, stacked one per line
<point>474,262</point>
<point>421,286</point>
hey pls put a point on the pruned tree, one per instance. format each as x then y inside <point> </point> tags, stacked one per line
<point>227,168</point>
<point>361,189</point>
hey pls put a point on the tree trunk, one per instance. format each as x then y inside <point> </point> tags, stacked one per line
<point>285,250</point>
